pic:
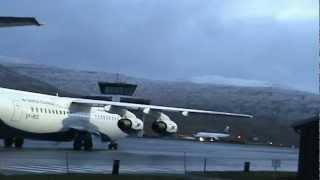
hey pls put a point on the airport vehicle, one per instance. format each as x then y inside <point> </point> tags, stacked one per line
<point>213,136</point>
<point>46,117</point>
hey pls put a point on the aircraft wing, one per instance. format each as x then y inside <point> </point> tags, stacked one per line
<point>147,108</point>
<point>18,21</point>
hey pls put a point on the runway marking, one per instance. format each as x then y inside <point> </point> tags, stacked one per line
<point>55,169</point>
<point>102,169</point>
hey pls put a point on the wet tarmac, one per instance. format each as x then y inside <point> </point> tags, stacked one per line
<point>139,155</point>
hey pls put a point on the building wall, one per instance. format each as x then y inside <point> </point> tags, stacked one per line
<point>309,151</point>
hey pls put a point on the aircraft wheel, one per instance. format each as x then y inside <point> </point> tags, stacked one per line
<point>83,140</point>
<point>18,142</point>
<point>8,142</point>
<point>77,144</point>
<point>88,145</point>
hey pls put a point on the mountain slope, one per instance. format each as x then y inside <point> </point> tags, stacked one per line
<point>266,102</point>
<point>274,109</point>
<point>13,80</point>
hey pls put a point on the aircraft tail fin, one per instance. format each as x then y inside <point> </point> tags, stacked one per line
<point>227,129</point>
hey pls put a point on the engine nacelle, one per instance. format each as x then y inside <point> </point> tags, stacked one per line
<point>129,123</point>
<point>164,125</point>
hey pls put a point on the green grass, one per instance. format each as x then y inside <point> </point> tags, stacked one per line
<point>195,175</point>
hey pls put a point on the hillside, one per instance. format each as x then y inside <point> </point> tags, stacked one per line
<point>13,80</point>
<point>274,108</point>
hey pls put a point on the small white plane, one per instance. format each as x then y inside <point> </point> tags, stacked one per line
<point>212,136</point>
<point>46,117</point>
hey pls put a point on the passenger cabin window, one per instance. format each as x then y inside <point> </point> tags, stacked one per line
<point>37,110</point>
<point>32,109</point>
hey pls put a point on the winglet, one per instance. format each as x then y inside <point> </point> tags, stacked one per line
<point>19,21</point>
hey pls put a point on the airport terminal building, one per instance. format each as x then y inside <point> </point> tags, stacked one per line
<point>118,92</point>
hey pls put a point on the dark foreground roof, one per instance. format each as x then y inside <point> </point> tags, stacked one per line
<point>306,122</point>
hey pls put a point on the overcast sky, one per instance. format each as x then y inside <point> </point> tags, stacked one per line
<point>275,41</point>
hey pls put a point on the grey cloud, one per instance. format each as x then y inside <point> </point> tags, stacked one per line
<point>171,40</point>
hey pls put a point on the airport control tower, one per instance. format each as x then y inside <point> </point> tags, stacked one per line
<point>119,92</point>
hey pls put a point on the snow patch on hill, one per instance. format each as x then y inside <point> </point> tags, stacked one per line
<point>221,80</point>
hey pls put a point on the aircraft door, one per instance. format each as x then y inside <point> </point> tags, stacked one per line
<point>17,115</point>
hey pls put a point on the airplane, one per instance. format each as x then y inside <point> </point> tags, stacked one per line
<point>6,21</point>
<point>45,117</point>
<point>212,136</point>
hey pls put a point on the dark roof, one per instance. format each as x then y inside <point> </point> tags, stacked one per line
<point>305,122</point>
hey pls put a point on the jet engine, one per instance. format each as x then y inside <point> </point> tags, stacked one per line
<point>129,123</point>
<point>164,125</point>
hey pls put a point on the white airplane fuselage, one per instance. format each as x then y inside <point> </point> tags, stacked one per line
<point>39,116</point>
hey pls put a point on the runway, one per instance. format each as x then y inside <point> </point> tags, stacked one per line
<point>139,155</point>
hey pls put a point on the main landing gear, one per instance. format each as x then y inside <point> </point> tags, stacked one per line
<point>113,146</point>
<point>83,141</point>
<point>17,142</point>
